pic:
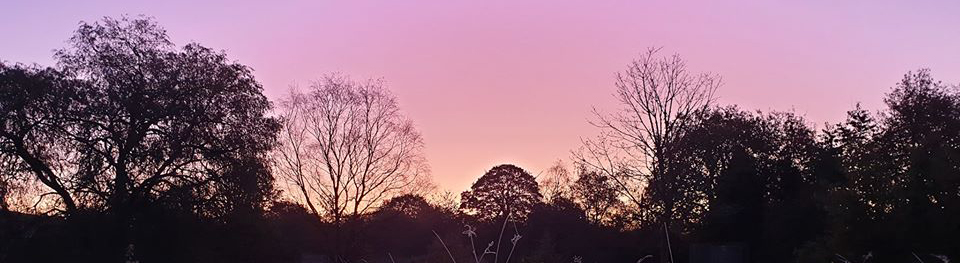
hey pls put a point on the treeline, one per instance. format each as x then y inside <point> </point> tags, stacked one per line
<point>135,149</point>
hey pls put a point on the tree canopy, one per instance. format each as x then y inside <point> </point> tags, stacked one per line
<point>504,190</point>
<point>129,120</point>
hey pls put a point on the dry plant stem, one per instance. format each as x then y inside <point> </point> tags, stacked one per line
<point>444,246</point>
<point>484,253</point>
<point>473,248</point>
<point>667,234</point>
<point>511,253</point>
<point>515,232</point>
<point>496,255</point>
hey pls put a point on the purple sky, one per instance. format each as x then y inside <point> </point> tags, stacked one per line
<point>492,82</point>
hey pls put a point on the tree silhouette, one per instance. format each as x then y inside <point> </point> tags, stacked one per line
<point>158,117</point>
<point>135,148</point>
<point>35,102</point>
<point>408,204</point>
<point>749,178</point>
<point>597,195</point>
<point>142,121</point>
<point>399,226</point>
<point>503,190</point>
<point>898,193</point>
<point>556,182</point>
<point>637,144</point>
<point>346,147</point>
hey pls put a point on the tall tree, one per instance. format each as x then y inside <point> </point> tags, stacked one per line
<point>149,122</point>
<point>157,116</point>
<point>657,96</point>
<point>749,178</point>
<point>504,191</point>
<point>902,171</point>
<point>923,133</point>
<point>722,174</point>
<point>846,171</point>
<point>346,147</point>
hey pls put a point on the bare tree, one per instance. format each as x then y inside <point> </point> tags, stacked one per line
<point>634,149</point>
<point>445,200</point>
<point>556,182</point>
<point>345,147</point>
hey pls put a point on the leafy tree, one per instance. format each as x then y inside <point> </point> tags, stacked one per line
<point>846,168</point>
<point>35,105</point>
<point>749,178</point>
<point>724,187</point>
<point>597,195</point>
<point>894,192</point>
<point>900,168</point>
<point>922,136</point>
<point>503,190</point>
<point>138,121</point>
<point>403,225</point>
<point>409,204</point>
<point>157,117</point>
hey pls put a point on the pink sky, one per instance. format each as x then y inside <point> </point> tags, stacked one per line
<point>490,82</point>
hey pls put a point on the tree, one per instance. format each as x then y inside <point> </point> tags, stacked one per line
<point>408,204</point>
<point>140,121</point>
<point>556,182</point>
<point>748,177</point>
<point>722,177</point>
<point>157,117</point>
<point>637,144</point>
<point>899,193</point>
<point>34,102</point>
<point>597,195</point>
<point>845,157</point>
<point>446,201</point>
<point>504,190</point>
<point>922,136</point>
<point>399,225</point>
<point>345,147</point>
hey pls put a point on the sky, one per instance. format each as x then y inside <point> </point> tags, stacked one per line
<point>491,82</point>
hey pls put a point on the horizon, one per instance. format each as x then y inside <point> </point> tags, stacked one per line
<point>514,83</point>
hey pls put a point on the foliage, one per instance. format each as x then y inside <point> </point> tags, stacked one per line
<point>897,191</point>
<point>503,190</point>
<point>130,121</point>
<point>598,196</point>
